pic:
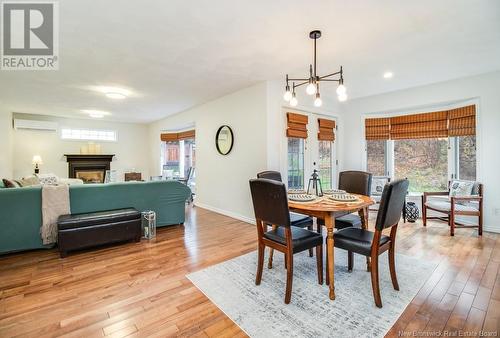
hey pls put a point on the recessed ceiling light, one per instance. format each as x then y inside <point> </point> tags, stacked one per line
<point>115,95</point>
<point>96,114</point>
<point>388,75</point>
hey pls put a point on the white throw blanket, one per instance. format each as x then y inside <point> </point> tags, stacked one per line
<point>55,202</point>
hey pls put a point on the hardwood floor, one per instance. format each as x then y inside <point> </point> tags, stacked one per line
<point>140,289</point>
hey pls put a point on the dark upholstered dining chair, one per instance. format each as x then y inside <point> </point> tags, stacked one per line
<point>372,244</point>
<point>270,203</point>
<point>297,220</point>
<point>354,182</point>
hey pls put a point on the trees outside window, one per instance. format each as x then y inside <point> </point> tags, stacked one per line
<point>376,159</point>
<point>325,163</point>
<point>295,163</point>
<point>429,163</point>
<point>424,162</point>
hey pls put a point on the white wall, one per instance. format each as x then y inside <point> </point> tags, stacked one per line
<point>222,181</point>
<point>483,88</point>
<point>131,149</point>
<point>5,144</point>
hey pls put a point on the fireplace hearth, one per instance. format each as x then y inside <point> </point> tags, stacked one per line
<point>89,168</point>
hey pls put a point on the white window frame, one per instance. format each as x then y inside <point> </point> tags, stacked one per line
<point>310,145</point>
<point>453,158</point>
<point>453,149</point>
<point>97,132</point>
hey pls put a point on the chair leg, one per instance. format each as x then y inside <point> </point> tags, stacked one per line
<point>375,285</point>
<point>350,260</point>
<point>480,224</point>
<point>424,213</point>
<point>260,264</point>
<point>289,278</point>
<point>392,268</point>
<point>319,263</point>
<point>310,228</point>
<point>451,218</point>
<point>270,262</point>
<point>286,265</point>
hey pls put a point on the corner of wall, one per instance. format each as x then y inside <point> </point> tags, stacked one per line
<point>6,140</point>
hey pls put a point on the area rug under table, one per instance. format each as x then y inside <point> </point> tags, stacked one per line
<point>260,311</point>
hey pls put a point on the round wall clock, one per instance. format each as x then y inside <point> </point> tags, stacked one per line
<point>224,140</point>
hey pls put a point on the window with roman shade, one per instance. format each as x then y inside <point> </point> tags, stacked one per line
<point>171,137</point>
<point>462,121</point>
<point>296,125</point>
<point>426,125</point>
<point>427,148</point>
<point>446,123</point>
<point>377,128</point>
<point>326,130</point>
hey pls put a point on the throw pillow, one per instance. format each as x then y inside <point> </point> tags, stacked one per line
<point>461,188</point>
<point>378,185</point>
<point>49,179</point>
<point>29,181</point>
<point>11,183</point>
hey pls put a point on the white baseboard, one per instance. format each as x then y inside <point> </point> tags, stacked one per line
<point>226,213</point>
<point>489,228</point>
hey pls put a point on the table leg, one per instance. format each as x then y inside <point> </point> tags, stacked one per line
<point>330,262</point>
<point>363,214</point>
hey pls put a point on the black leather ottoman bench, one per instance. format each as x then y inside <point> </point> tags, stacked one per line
<point>81,231</point>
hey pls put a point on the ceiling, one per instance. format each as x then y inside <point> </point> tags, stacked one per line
<point>177,54</point>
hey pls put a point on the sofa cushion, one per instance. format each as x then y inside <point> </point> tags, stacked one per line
<point>29,181</point>
<point>48,179</point>
<point>10,183</point>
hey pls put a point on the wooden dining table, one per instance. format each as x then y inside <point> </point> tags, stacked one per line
<point>327,209</point>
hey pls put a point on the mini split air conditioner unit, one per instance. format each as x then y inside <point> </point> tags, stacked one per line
<point>35,125</point>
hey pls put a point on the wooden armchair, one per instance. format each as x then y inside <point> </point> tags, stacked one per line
<point>455,206</point>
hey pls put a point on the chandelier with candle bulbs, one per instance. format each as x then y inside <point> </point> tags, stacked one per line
<point>313,81</point>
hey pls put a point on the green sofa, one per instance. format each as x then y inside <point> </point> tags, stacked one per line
<point>21,214</point>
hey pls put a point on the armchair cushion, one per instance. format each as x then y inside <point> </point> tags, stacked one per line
<point>357,240</point>
<point>445,206</point>
<point>378,183</point>
<point>461,188</point>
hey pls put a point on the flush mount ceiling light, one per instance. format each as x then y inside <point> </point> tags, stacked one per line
<point>115,93</point>
<point>388,75</point>
<point>96,114</point>
<point>116,96</point>
<point>313,81</point>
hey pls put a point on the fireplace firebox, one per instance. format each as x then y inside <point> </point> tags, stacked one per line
<point>89,168</point>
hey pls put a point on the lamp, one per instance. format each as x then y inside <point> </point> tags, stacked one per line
<point>315,189</point>
<point>37,160</point>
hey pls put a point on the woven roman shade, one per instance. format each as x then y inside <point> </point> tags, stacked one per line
<point>426,125</point>
<point>326,130</point>
<point>462,121</point>
<point>296,125</point>
<point>446,123</point>
<point>186,135</point>
<point>377,128</point>
<point>170,137</point>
